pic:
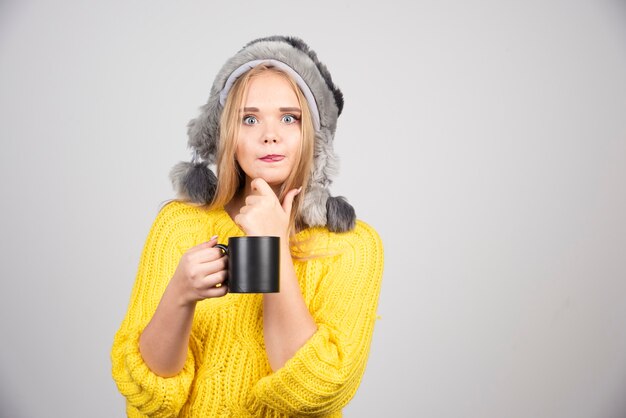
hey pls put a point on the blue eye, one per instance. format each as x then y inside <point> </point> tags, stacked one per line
<point>250,120</point>
<point>290,119</point>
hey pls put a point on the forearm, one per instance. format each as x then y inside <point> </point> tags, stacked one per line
<point>287,322</point>
<point>164,342</point>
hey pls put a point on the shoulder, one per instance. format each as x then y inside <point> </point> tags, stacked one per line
<point>365,232</point>
<point>175,210</point>
<point>176,217</point>
<point>361,242</point>
<point>363,236</point>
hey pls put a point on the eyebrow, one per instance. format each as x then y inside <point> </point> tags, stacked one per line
<point>282,109</point>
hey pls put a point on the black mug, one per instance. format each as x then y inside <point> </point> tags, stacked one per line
<point>253,264</point>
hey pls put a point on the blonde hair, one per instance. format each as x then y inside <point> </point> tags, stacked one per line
<point>231,177</point>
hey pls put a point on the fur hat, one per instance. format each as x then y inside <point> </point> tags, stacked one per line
<point>196,182</point>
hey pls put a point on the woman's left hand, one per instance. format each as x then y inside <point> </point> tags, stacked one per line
<point>263,214</point>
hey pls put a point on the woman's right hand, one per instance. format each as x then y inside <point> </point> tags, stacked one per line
<point>201,273</point>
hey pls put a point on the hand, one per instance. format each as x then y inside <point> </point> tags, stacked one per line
<point>201,273</point>
<point>262,213</point>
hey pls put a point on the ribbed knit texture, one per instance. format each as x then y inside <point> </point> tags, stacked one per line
<point>227,373</point>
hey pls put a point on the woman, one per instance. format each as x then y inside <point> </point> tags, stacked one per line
<point>189,348</point>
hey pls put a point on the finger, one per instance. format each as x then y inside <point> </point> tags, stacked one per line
<point>204,245</point>
<point>253,199</point>
<point>288,200</point>
<point>198,272</point>
<point>261,187</point>
<point>243,222</point>
<point>239,219</point>
<point>214,266</point>
<point>192,261</point>
<point>206,255</point>
<point>216,292</point>
<point>215,279</point>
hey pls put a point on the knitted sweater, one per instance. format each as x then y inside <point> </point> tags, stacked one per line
<point>227,373</point>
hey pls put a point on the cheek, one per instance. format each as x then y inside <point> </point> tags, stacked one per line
<point>240,151</point>
<point>295,143</point>
<point>245,156</point>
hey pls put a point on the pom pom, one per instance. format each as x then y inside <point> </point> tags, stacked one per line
<point>194,182</point>
<point>340,215</point>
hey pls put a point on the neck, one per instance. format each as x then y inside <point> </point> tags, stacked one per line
<point>247,189</point>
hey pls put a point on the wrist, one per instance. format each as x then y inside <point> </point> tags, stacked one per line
<point>285,243</point>
<point>178,296</point>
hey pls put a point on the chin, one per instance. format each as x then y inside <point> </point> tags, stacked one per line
<point>273,180</point>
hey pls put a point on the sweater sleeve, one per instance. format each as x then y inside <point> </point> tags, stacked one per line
<point>147,393</point>
<point>325,373</point>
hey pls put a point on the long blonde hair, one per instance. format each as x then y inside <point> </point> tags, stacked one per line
<point>231,177</point>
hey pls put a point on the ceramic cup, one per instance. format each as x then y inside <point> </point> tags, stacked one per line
<point>253,264</point>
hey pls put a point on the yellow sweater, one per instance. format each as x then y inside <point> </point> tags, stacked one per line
<point>227,373</point>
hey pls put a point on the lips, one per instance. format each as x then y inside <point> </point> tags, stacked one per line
<point>272,158</point>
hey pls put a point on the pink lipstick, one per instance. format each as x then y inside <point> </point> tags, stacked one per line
<point>272,158</point>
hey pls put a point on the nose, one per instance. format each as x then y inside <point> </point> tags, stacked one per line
<point>270,134</point>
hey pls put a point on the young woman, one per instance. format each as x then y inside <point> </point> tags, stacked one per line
<point>189,348</point>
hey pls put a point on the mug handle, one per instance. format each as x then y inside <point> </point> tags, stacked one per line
<point>222,247</point>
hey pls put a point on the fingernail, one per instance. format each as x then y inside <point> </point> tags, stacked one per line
<point>213,237</point>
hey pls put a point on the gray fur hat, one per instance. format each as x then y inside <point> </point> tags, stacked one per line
<point>196,182</point>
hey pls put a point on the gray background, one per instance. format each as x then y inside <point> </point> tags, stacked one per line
<point>484,140</point>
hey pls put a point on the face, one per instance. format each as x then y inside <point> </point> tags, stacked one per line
<point>270,132</point>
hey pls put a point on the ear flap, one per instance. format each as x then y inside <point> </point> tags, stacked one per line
<point>194,182</point>
<point>203,132</point>
<point>319,208</point>
<point>340,215</point>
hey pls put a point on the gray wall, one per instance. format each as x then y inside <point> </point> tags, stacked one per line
<point>485,140</point>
